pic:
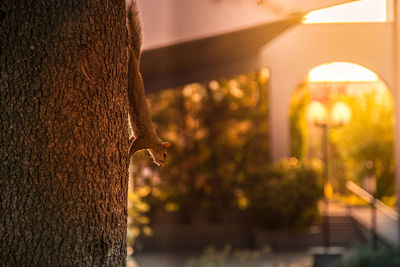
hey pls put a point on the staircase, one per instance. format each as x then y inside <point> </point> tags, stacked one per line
<point>343,231</point>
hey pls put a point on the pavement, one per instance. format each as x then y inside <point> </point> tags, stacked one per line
<point>271,259</point>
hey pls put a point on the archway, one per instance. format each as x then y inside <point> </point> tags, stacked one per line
<point>364,147</point>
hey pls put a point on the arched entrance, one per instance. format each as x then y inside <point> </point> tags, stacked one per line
<point>362,149</point>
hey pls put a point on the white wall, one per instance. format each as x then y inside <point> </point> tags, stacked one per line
<point>167,22</point>
<point>298,50</point>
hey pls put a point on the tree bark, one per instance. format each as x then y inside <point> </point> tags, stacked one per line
<point>63,133</point>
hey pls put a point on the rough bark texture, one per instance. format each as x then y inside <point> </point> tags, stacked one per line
<point>63,133</point>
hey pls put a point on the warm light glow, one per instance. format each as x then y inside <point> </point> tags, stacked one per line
<point>317,113</point>
<point>328,190</point>
<point>341,72</point>
<point>357,11</point>
<point>341,113</point>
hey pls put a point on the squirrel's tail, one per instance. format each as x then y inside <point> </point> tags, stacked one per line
<point>134,25</point>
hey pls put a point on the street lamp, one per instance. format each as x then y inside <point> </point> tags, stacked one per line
<point>318,115</point>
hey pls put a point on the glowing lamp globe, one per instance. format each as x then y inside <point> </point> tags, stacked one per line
<point>317,113</point>
<point>341,113</point>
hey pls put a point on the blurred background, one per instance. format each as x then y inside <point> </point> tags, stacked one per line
<point>282,120</point>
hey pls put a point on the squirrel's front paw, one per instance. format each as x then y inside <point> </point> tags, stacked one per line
<point>131,149</point>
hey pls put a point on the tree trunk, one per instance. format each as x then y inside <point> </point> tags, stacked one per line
<point>63,138</point>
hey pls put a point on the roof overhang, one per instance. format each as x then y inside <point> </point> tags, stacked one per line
<point>209,58</point>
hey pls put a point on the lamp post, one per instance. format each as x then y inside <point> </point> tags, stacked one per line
<point>318,115</point>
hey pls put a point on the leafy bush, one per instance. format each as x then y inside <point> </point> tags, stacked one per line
<point>298,123</point>
<point>137,221</point>
<point>220,133</point>
<point>285,195</point>
<point>362,256</point>
<point>369,154</point>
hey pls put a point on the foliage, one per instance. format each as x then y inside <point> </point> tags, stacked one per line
<point>286,194</point>
<point>298,123</point>
<point>213,257</point>
<point>219,132</point>
<point>362,256</point>
<point>366,143</point>
<point>137,221</point>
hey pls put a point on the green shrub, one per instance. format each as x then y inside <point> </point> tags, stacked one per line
<point>138,223</point>
<point>220,133</point>
<point>285,195</point>
<point>298,123</point>
<point>362,256</point>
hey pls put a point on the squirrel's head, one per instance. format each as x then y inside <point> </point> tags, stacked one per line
<point>159,153</point>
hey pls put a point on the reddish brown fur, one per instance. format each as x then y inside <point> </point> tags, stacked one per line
<point>145,136</point>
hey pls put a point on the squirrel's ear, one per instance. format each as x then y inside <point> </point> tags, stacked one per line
<point>167,144</point>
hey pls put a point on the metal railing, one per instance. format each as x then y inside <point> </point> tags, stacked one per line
<point>383,222</point>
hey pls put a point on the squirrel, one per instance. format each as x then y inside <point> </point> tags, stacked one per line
<point>145,136</point>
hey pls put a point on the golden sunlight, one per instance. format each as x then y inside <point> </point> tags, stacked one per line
<point>317,113</point>
<point>353,12</point>
<point>341,72</point>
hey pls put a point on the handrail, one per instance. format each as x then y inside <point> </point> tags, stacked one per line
<point>392,214</point>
